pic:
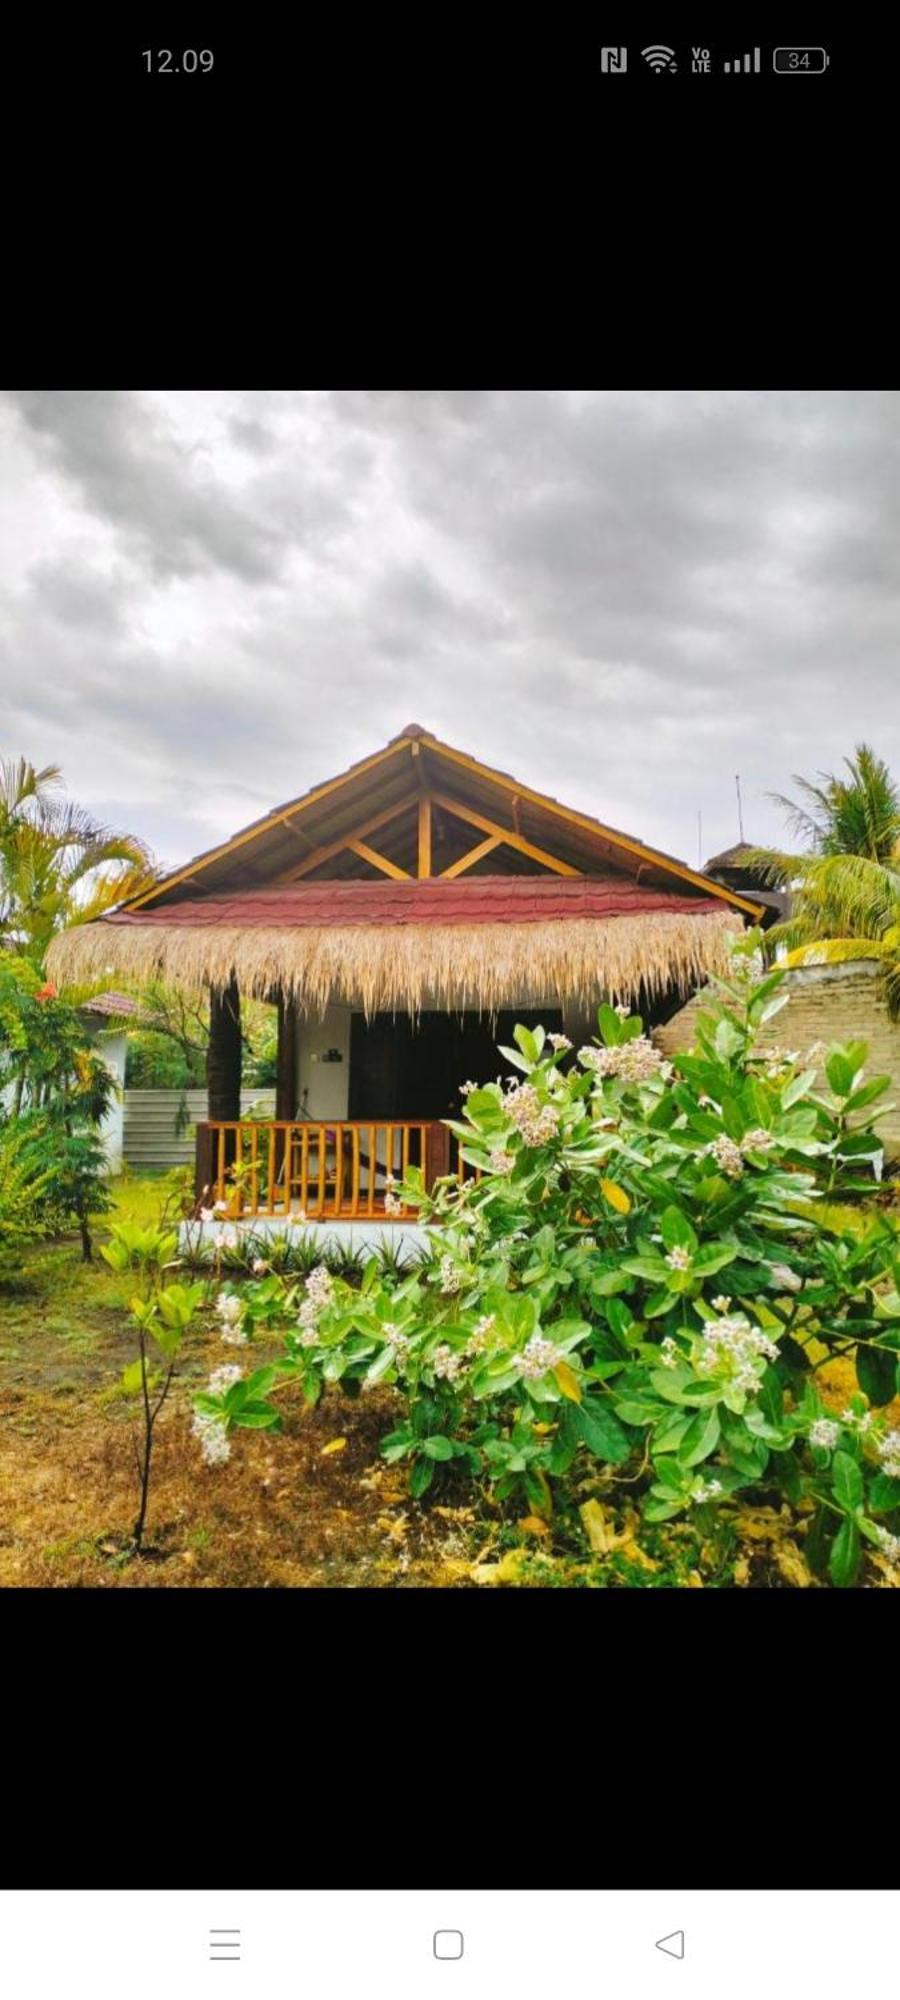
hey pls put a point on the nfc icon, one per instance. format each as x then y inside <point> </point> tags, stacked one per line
<point>612,60</point>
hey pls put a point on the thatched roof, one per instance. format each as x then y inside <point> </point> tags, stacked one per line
<point>478,943</point>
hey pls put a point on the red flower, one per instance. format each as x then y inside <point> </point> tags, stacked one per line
<point>47,991</point>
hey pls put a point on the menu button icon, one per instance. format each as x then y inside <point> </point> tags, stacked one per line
<point>224,1947</point>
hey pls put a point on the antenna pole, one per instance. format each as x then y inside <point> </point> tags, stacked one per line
<point>737,782</point>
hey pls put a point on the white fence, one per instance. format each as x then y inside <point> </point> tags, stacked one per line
<point>159,1125</point>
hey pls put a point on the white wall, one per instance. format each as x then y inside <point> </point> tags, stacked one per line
<point>327,1084</point>
<point>112,1048</point>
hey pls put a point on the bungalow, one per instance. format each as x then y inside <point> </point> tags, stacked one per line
<point>402,916</point>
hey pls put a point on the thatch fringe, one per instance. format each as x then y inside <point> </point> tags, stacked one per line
<point>403,967</point>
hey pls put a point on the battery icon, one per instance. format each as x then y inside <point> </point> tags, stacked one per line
<point>800,62</point>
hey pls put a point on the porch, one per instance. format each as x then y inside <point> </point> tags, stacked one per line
<point>345,1170</point>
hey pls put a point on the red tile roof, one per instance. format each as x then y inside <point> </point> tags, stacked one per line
<point>483,899</point>
<point>111,1003</point>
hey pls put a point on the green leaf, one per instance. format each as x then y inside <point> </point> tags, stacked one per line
<point>439,1448</point>
<point>676,1231</point>
<point>421,1477</point>
<point>257,1417</point>
<point>131,1379</point>
<point>840,1073</point>
<point>845,1553</point>
<point>876,1373</point>
<point>712,1258</point>
<point>847,1481</point>
<point>819,1540</point>
<point>610,1026</point>
<point>700,1438</point>
<point>595,1423</point>
<point>884,1494</point>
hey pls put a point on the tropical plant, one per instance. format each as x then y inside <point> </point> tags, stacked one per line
<point>162,1314</point>
<point>24,1184</point>
<point>845,887</point>
<point>577,1315</point>
<point>58,865</point>
<point>60,1090</point>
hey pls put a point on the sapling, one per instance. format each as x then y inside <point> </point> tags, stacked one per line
<point>162,1314</point>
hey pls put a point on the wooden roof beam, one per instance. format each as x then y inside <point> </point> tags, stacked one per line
<point>355,833</point>
<point>474,854</point>
<point>377,860</point>
<point>505,834</point>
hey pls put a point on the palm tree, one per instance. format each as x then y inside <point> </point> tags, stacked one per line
<point>845,886</point>
<point>58,865</point>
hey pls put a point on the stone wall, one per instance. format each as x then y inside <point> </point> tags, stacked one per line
<point>828,1003</point>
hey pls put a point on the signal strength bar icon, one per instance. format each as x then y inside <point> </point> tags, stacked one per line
<point>659,57</point>
<point>746,65</point>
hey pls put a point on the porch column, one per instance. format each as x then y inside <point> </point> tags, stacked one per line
<point>286,1066</point>
<point>223,1061</point>
<point>285,1091</point>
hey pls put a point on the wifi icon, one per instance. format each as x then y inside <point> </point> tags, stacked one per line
<point>659,57</point>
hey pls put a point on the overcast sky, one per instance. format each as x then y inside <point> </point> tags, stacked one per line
<point>211,601</point>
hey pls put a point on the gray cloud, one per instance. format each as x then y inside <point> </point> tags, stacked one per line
<point>625,598</point>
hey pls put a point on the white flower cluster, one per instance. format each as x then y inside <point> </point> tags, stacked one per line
<point>679,1259</point>
<point>398,1342</point>
<point>259,1266</point>
<point>451,1279</point>
<point>790,1281</point>
<point>466,1089</point>
<point>860,1424</point>
<point>889,1453</point>
<point>824,1433</point>
<point>230,1312</point>
<point>727,1155</point>
<point>745,964</point>
<point>445,1363</point>
<point>478,1338</point>
<point>777,1061</point>
<point>669,1353</point>
<point>890,1544</point>
<point>634,1062</point>
<point>226,1239</point>
<point>392,1203</point>
<point>559,1042</point>
<point>758,1140</point>
<point>222,1379</point>
<point>705,1489</point>
<point>732,1348</point>
<point>538,1357</point>
<point>319,1288</point>
<point>501,1162</point>
<point>212,1435</point>
<point>537,1122</point>
<point>730,1157</point>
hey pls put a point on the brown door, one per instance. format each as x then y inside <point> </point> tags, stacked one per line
<point>402,1069</point>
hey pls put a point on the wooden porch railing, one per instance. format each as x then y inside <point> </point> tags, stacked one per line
<point>340,1169</point>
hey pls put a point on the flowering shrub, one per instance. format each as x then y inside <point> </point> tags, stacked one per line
<point>644,1275</point>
